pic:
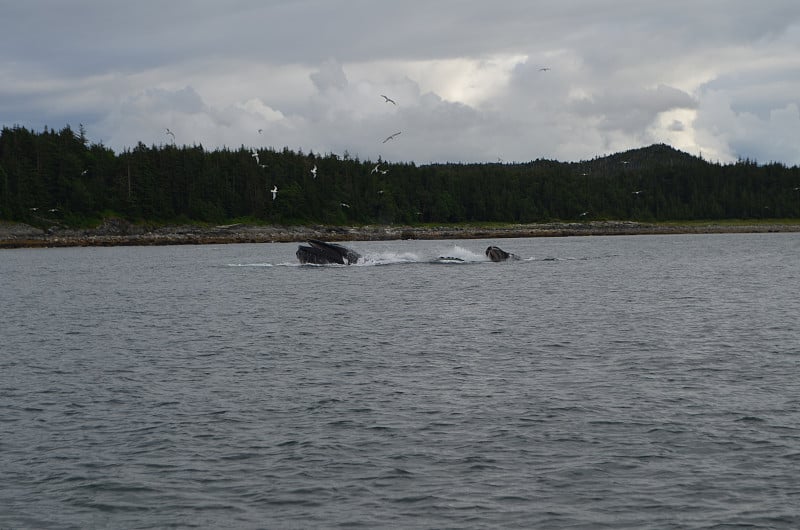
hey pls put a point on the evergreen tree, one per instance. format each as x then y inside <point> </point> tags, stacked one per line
<point>57,176</point>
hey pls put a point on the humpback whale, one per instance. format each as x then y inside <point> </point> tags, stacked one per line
<point>322,253</point>
<point>498,254</point>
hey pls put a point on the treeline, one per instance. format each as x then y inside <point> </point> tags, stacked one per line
<point>58,177</point>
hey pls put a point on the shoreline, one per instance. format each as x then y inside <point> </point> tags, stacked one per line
<point>116,232</point>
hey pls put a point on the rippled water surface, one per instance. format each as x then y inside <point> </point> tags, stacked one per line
<point>599,382</point>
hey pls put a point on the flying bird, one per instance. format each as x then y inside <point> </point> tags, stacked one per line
<point>384,171</point>
<point>638,192</point>
<point>260,131</point>
<point>274,191</point>
<point>388,100</point>
<point>391,136</point>
<point>375,169</point>
<point>254,154</point>
<point>314,171</point>
<point>171,134</point>
<point>544,69</point>
<point>344,205</point>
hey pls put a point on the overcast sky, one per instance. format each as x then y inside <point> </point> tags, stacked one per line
<point>474,80</point>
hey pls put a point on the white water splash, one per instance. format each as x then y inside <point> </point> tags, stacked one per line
<point>388,258</point>
<point>461,253</point>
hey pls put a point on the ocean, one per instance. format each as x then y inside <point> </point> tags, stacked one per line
<point>598,382</point>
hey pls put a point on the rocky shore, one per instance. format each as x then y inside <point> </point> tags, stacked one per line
<point>115,232</point>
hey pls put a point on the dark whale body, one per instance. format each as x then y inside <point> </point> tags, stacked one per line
<point>322,253</point>
<point>498,254</point>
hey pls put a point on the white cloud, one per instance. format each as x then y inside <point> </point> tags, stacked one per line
<point>728,134</point>
<point>257,107</point>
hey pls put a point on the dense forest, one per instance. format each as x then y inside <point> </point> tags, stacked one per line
<point>59,177</point>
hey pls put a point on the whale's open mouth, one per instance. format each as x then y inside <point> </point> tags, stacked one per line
<point>322,253</point>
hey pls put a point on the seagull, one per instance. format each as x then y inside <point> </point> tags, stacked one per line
<point>171,134</point>
<point>384,171</point>
<point>314,171</point>
<point>544,69</point>
<point>375,169</point>
<point>344,205</point>
<point>84,172</point>
<point>584,214</point>
<point>388,100</point>
<point>274,191</point>
<point>260,131</point>
<point>637,192</point>
<point>52,210</point>
<point>254,154</point>
<point>391,136</point>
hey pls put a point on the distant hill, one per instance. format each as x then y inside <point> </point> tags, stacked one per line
<point>656,155</point>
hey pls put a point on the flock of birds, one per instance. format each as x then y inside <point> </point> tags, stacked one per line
<point>274,190</point>
<point>377,168</point>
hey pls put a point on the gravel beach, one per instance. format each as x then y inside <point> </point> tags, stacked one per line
<point>114,232</point>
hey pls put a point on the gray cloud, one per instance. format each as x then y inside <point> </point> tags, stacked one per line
<point>330,75</point>
<point>466,75</point>
<point>677,126</point>
<point>632,109</point>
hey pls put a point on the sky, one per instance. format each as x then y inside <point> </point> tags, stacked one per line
<point>472,80</point>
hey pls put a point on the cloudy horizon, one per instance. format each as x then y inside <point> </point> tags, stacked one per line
<point>472,81</point>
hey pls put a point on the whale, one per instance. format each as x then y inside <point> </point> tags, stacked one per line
<point>498,254</point>
<point>322,253</point>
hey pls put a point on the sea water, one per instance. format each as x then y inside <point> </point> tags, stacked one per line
<point>598,382</point>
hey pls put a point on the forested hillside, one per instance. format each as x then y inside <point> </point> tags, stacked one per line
<point>58,177</point>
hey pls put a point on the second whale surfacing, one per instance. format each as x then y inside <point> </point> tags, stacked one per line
<point>498,254</point>
<point>322,253</point>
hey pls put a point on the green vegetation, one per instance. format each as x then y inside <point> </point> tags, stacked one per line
<point>58,177</point>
